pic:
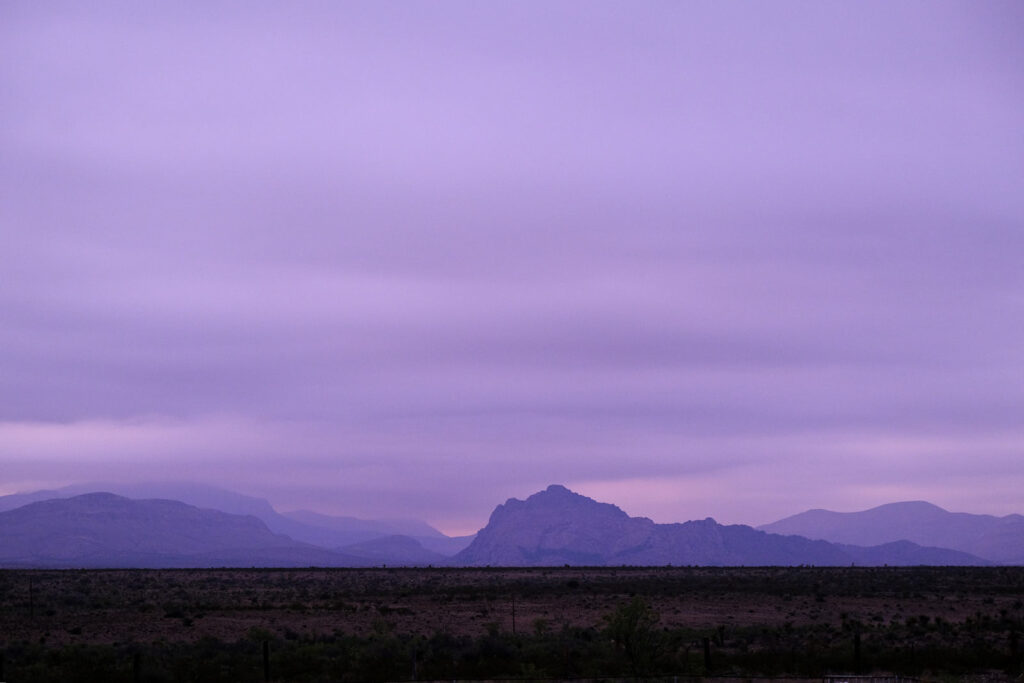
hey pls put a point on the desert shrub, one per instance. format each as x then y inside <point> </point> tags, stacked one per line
<point>631,629</point>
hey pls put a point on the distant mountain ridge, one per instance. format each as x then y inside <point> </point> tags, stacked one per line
<point>558,526</point>
<point>553,527</point>
<point>106,530</point>
<point>382,527</point>
<point>997,539</point>
<point>320,530</point>
<point>396,550</point>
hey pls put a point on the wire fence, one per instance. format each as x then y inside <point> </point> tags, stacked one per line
<point>832,678</point>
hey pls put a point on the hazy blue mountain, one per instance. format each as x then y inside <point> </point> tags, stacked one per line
<point>396,551</point>
<point>379,527</point>
<point>557,526</point>
<point>198,495</point>
<point>446,545</point>
<point>998,539</point>
<point>907,554</point>
<point>16,500</point>
<point>106,530</point>
<point>321,530</point>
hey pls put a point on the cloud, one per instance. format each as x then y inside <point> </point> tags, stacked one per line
<point>383,253</point>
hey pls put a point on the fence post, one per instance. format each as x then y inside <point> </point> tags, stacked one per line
<point>136,667</point>
<point>856,652</point>
<point>707,655</point>
<point>266,660</point>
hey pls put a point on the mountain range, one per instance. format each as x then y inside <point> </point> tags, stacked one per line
<point>308,527</point>
<point>557,526</point>
<point>104,530</point>
<point>141,526</point>
<point>997,539</point>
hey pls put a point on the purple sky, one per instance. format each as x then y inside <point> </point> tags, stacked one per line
<point>410,259</point>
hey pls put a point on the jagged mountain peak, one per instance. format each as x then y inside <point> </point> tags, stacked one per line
<point>553,494</point>
<point>558,490</point>
<point>557,499</point>
<point>559,495</point>
<point>554,526</point>
<point>557,526</point>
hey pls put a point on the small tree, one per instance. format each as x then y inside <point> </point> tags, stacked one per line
<point>631,628</point>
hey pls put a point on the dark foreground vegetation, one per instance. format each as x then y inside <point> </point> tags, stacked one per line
<point>432,624</point>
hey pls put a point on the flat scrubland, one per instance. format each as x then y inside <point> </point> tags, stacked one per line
<point>405,624</point>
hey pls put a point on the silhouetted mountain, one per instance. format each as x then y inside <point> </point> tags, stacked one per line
<point>105,530</point>
<point>321,530</point>
<point>998,539</point>
<point>557,526</point>
<point>395,550</point>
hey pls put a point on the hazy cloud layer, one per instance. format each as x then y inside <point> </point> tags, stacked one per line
<point>411,259</point>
